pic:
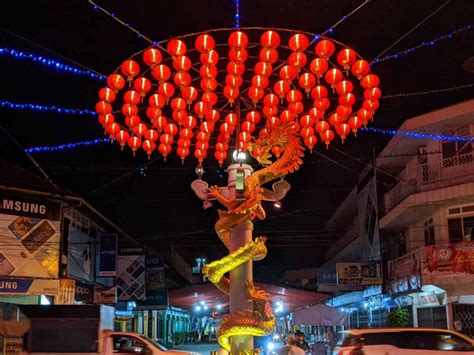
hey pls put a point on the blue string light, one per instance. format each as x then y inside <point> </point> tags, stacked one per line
<point>51,63</point>
<point>66,146</point>
<point>416,135</point>
<point>422,44</point>
<point>237,14</point>
<point>42,108</point>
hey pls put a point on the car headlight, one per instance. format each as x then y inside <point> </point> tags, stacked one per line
<point>276,337</point>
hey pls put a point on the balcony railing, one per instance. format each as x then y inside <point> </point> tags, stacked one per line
<point>430,176</point>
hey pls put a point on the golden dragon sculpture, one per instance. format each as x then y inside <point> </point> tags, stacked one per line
<point>261,320</point>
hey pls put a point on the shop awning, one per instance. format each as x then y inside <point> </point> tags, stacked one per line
<point>321,315</point>
<point>292,298</point>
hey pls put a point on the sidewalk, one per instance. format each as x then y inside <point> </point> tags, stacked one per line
<point>201,348</point>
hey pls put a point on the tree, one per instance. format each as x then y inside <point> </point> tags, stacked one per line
<point>398,318</point>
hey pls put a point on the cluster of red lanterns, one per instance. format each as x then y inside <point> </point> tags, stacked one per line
<point>194,105</point>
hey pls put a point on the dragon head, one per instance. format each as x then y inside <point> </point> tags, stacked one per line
<point>271,143</point>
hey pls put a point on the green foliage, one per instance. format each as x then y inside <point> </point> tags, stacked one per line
<point>398,318</point>
<point>179,337</point>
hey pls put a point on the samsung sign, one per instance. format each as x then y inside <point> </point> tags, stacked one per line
<point>28,207</point>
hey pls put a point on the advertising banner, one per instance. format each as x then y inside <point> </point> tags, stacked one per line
<point>154,274</point>
<point>29,232</point>
<point>105,294</point>
<point>404,273</point>
<point>108,255</point>
<point>131,274</point>
<point>81,255</point>
<point>17,286</point>
<point>451,258</point>
<point>83,292</point>
<point>156,299</point>
<point>359,273</point>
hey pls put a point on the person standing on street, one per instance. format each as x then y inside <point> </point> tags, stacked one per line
<point>290,348</point>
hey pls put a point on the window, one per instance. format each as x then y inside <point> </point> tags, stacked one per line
<point>460,229</point>
<point>457,153</point>
<point>128,345</point>
<point>429,232</point>
<point>200,262</point>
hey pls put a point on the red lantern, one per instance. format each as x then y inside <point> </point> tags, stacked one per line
<point>182,79</point>
<point>171,129</point>
<point>116,82</point>
<point>347,99</point>
<point>231,93</point>
<point>336,119</point>
<point>209,58</point>
<point>298,42</point>
<point>235,68</point>
<point>122,137</point>
<point>152,57</point>
<point>281,88</point>
<point>372,94</point>
<point>207,127</point>
<point>164,149</point>
<point>220,157</point>
<point>268,55</point>
<point>204,43</point>
<point>200,155</point>
<point>307,132</point>
<point>319,66</point>
<point>148,146</point>
<point>152,135</point>
<point>270,100</point>
<point>333,77</point>
<point>132,97</point>
<point>327,136</point>
<point>360,68</point>
<point>287,116</point>
<point>238,55</point>
<point>310,142</point>
<point>344,110</point>
<point>325,48</point>
<point>255,94</point>
<point>288,73</point>
<point>129,109</point>
<point>253,117</point>
<point>319,92</point>
<point>208,84</point>
<point>189,93</point>
<point>238,39</point>
<point>204,146</point>
<point>200,108</point>
<point>106,119</point>
<point>226,128</point>
<point>182,142</point>
<point>134,143</point>
<point>364,115</point>
<point>107,95</point>
<point>296,107</point>
<point>234,81</point>
<point>180,116</point>
<point>208,71</point>
<point>186,133</point>
<point>346,57</point>
<point>178,104</point>
<point>231,119</point>
<point>166,89</point>
<point>103,107</point>
<point>166,138</point>
<point>212,116</point>
<point>306,121</point>
<point>182,152</point>
<point>248,127</point>
<point>344,87</point>
<point>355,123</point>
<point>157,100</point>
<point>223,138</point>
<point>316,114</point>
<point>294,96</point>
<point>209,98</point>
<point>112,129</point>
<point>270,111</point>
<point>273,122</point>
<point>264,69</point>
<point>307,81</point>
<point>321,126</point>
<point>159,123</point>
<point>176,47</point>
<point>161,73</point>
<point>270,39</point>
<point>140,129</point>
<point>182,63</point>
<point>370,81</point>
<point>371,105</point>
<point>297,60</point>
<point>189,122</point>
<point>132,121</point>
<point>244,137</point>
<point>259,81</point>
<point>130,69</point>
<point>343,130</point>
<point>322,104</point>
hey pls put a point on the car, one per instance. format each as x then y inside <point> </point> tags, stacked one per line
<point>404,341</point>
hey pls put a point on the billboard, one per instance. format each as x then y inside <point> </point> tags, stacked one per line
<point>404,273</point>
<point>131,274</point>
<point>359,273</point>
<point>105,294</point>
<point>23,286</point>
<point>452,258</point>
<point>29,237</point>
<point>108,255</point>
<point>81,255</point>
<point>83,292</point>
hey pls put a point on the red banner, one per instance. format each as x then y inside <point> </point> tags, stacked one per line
<point>456,257</point>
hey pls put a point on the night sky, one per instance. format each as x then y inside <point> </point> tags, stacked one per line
<point>155,204</point>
